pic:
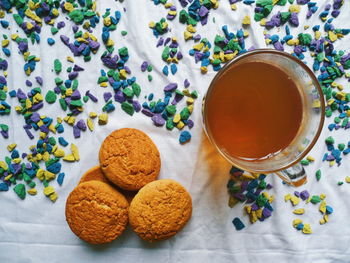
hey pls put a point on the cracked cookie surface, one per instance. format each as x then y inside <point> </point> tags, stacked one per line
<point>129,159</point>
<point>96,212</point>
<point>160,210</point>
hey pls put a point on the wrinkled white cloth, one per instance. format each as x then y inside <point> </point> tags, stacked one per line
<point>34,230</point>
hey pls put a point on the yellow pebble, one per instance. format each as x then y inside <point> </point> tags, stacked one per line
<point>152,24</point>
<point>325,217</point>
<point>46,156</point>
<point>103,119</point>
<point>49,176</point>
<point>323,196</point>
<point>92,115</point>
<point>294,8</point>
<point>287,197</point>
<point>176,118</point>
<point>59,153</point>
<point>307,229</point>
<point>263,22</point>
<point>296,222</point>
<point>32,191</point>
<point>204,70</point>
<point>70,59</point>
<point>233,7</point>
<point>187,35</point>
<point>246,20</point>
<point>11,147</point>
<point>104,84</point>
<point>253,217</point>
<point>75,152</point>
<point>310,158</point>
<point>90,124</point>
<point>248,176</point>
<point>53,197</point>
<point>248,209</point>
<point>69,158</point>
<point>3,165</point>
<point>180,125</point>
<point>331,163</point>
<point>322,221</point>
<point>190,101</point>
<point>191,29</point>
<point>332,36</point>
<point>5,42</point>
<point>295,200</point>
<point>40,174</point>
<point>322,207</point>
<point>316,103</point>
<point>299,211</point>
<point>347,179</point>
<point>17,160</point>
<point>168,5</point>
<point>49,190</point>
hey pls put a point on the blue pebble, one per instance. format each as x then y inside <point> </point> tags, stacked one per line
<point>4,187</point>
<point>185,136</point>
<point>62,141</point>
<point>300,226</point>
<point>110,107</point>
<point>54,168</point>
<point>316,28</point>
<point>346,151</point>
<point>60,178</point>
<point>150,96</point>
<point>14,154</point>
<point>238,223</point>
<point>6,51</point>
<point>60,128</point>
<point>331,126</point>
<point>50,41</point>
<point>173,69</point>
<point>166,70</point>
<point>4,23</point>
<point>329,210</point>
<point>324,157</point>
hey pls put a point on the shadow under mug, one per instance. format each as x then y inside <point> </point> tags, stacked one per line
<point>286,164</point>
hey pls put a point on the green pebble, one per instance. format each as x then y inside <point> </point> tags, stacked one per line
<point>291,1</point>
<point>261,200</point>
<point>50,97</point>
<point>262,184</point>
<point>171,109</point>
<point>282,2</point>
<point>328,113</point>
<point>337,120</point>
<point>54,30</point>
<point>27,178</point>
<point>18,19</point>
<point>123,52</point>
<point>45,183</point>
<point>102,79</point>
<point>69,69</point>
<point>85,99</point>
<point>136,89</point>
<point>75,84</point>
<point>76,103</point>
<point>165,53</point>
<point>341,146</point>
<point>263,2</point>
<point>78,34</point>
<point>194,94</point>
<point>315,199</point>
<point>58,81</point>
<point>329,140</point>
<point>285,17</point>
<point>76,15</point>
<point>32,184</point>
<point>304,39</point>
<point>4,127</point>
<point>149,78</point>
<point>169,124</point>
<point>128,108</point>
<point>63,104</point>
<point>185,114</point>
<point>52,141</point>
<point>305,162</point>
<point>345,122</point>
<point>128,92</point>
<point>3,95</point>
<point>149,68</point>
<point>87,58</point>
<point>20,190</point>
<point>340,183</point>
<point>124,33</point>
<point>318,175</point>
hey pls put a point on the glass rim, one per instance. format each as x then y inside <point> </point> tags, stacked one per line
<point>315,82</point>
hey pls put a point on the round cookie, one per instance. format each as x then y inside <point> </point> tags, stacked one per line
<point>95,173</point>
<point>129,159</point>
<point>96,212</point>
<point>160,210</point>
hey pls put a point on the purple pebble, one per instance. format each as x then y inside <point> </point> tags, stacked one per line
<point>4,134</point>
<point>119,96</point>
<point>35,117</point>
<point>190,124</point>
<point>127,69</point>
<point>37,106</point>
<point>197,37</point>
<point>94,44</point>
<point>60,24</point>
<point>304,195</point>
<point>29,83</point>
<point>144,66</point>
<point>75,95</point>
<point>64,39</point>
<point>57,90</point>
<point>73,75</point>
<point>294,20</point>
<point>92,97</point>
<point>75,28</point>
<point>160,42</point>
<point>186,83</point>
<point>44,128</point>
<point>147,112</point>
<point>23,46</point>
<point>170,87</point>
<point>254,207</point>
<point>3,65</point>
<point>335,13</point>
<point>107,96</point>
<point>167,40</point>
<point>296,193</point>
<point>76,131</point>
<point>179,55</point>
<point>30,135</point>
<point>278,45</point>
<point>39,80</point>
<point>158,120</point>
<point>81,125</point>
<point>266,212</point>
<point>77,68</point>
<point>136,105</point>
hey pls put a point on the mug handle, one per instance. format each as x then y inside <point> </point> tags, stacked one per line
<point>295,175</point>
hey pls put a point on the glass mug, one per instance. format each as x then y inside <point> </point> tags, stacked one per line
<point>286,162</point>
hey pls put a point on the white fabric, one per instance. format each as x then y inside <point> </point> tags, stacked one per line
<point>35,230</point>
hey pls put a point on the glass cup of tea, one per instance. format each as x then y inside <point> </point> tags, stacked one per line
<point>264,111</point>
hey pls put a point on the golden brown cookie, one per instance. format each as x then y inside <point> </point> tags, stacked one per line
<point>96,212</point>
<point>160,210</point>
<point>95,173</point>
<point>129,159</point>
